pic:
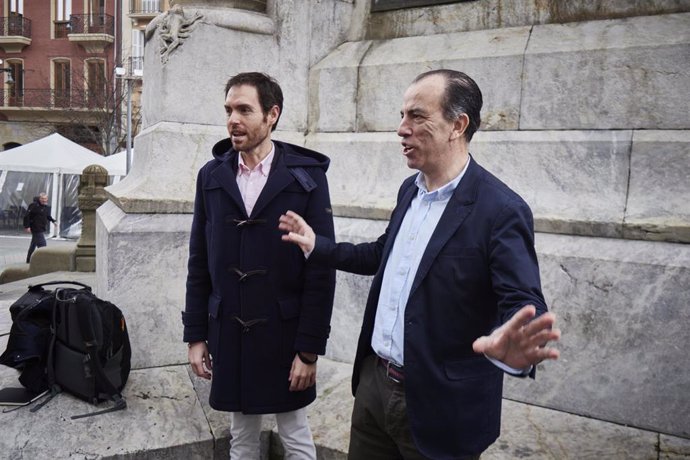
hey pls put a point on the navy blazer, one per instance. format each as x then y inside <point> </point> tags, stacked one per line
<point>479,268</point>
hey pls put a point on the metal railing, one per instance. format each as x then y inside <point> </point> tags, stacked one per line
<point>55,99</point>
<point>134,63</point>
<point>62,28</point>
<point>92,24</point>
<point>145,6</point>
<point>15,26</point>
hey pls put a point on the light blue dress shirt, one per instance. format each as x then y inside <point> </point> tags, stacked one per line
<point>416,229</point>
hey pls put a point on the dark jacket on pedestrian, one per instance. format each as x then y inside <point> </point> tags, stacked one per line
<point>37,217</point>
<point>255,299</point>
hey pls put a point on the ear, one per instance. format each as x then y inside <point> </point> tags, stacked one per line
<point>273,115</point>
<point>460,126</point>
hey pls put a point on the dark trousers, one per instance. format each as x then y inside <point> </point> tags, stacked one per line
<point>380,426</point>
<point>38,240</point>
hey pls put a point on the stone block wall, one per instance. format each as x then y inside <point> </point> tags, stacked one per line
<point>588,122</point>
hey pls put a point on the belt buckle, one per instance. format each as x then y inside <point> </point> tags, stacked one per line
<point>388,371</point>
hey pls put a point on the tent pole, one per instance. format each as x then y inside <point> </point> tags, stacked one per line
<point>55,203</point>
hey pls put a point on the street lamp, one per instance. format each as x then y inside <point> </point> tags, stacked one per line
<point>129,76</point>
<point>9,80</point>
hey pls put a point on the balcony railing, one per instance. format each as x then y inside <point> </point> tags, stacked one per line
<point>92,24</point>
<point>62,28</point>
<point>15,26</point>
<point>145,7</point>
<point>55,99</point>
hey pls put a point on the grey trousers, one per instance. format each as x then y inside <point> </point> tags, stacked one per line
<point>380,426</point>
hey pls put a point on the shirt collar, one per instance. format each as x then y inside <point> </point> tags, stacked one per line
<point>442,193</point>
<point>264,167</point>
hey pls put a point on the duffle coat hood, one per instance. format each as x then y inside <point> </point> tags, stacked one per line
<point>253,298</point>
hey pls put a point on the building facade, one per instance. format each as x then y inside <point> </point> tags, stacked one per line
<point>58,71</point>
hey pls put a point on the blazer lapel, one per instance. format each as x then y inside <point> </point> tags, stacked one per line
<point>226,176</point>
<point>458,208</point>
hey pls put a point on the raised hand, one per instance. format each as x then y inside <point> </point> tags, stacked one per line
<point>299,232</point>
<point>521,342</point>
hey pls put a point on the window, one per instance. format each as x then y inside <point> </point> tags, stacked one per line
<point>15,21</point>
<point>61,83</point>
<point>386,5</point>
<point>15,85</point>
<point>16,7</point>
<point>96,89</point>
<point>150,6</point>
<point>63,10</point>
<point>97,19</point>
<point>137,50</point>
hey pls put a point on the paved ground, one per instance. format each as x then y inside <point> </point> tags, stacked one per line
<point>13,247</point>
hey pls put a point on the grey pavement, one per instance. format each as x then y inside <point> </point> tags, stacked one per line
<point>168,417</point>
<point>13,247</point>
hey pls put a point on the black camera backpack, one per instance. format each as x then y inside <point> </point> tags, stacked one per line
<point>68,339</point>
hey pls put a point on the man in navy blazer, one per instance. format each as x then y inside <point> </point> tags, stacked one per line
<point>456,299</point>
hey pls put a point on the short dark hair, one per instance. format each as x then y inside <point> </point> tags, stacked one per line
<point>462,95</point>
<point>267,88</point>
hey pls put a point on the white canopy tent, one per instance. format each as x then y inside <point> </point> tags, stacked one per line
<point>52,165</point>
<point>116,164</point>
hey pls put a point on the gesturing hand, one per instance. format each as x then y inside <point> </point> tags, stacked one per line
<point>299,232</point>
<point>522,340</point>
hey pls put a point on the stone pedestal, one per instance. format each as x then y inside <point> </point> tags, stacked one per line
<point>585,120</point>
<point>91,195</point>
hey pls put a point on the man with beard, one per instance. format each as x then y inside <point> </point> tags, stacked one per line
<point>257,313</point>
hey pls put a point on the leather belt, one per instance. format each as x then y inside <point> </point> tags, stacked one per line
<point>393,371</point>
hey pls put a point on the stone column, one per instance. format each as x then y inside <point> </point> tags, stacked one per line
<point>91,195</point>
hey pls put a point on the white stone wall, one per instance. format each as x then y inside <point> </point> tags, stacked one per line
<point>587,121</point>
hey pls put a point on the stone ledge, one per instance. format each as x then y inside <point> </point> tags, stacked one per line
<point>163,419</point>
<point>623,184</point>
<point>168,417</point>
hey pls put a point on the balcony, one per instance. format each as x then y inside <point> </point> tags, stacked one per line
<point>94,32</point>
<point>145,9</point>
<point>15,33</point>
<point>52,105</point>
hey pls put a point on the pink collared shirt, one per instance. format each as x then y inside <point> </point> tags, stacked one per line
<point>252,181</point>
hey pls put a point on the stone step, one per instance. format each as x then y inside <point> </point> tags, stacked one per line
<point>167,416</point>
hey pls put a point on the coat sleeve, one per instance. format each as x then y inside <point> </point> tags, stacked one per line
<point>195,316</point>
<point>319,280</point>
<point>513,262</point>
<point>362,258</point>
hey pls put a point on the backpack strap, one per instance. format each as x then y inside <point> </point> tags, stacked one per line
<point>51,283</point>
<point>50,366</point>
<point>84,315</point>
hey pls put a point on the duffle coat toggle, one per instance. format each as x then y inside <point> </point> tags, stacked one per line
<point>244,275</point>
<point>247,325</point>
<point>241,223</point>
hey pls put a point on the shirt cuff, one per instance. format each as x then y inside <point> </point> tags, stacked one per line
<point>510,370</point>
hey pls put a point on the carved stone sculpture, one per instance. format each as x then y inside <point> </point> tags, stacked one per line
<point>174,28</point>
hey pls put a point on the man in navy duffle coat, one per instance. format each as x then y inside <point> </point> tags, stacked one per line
<point>257,313</point>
